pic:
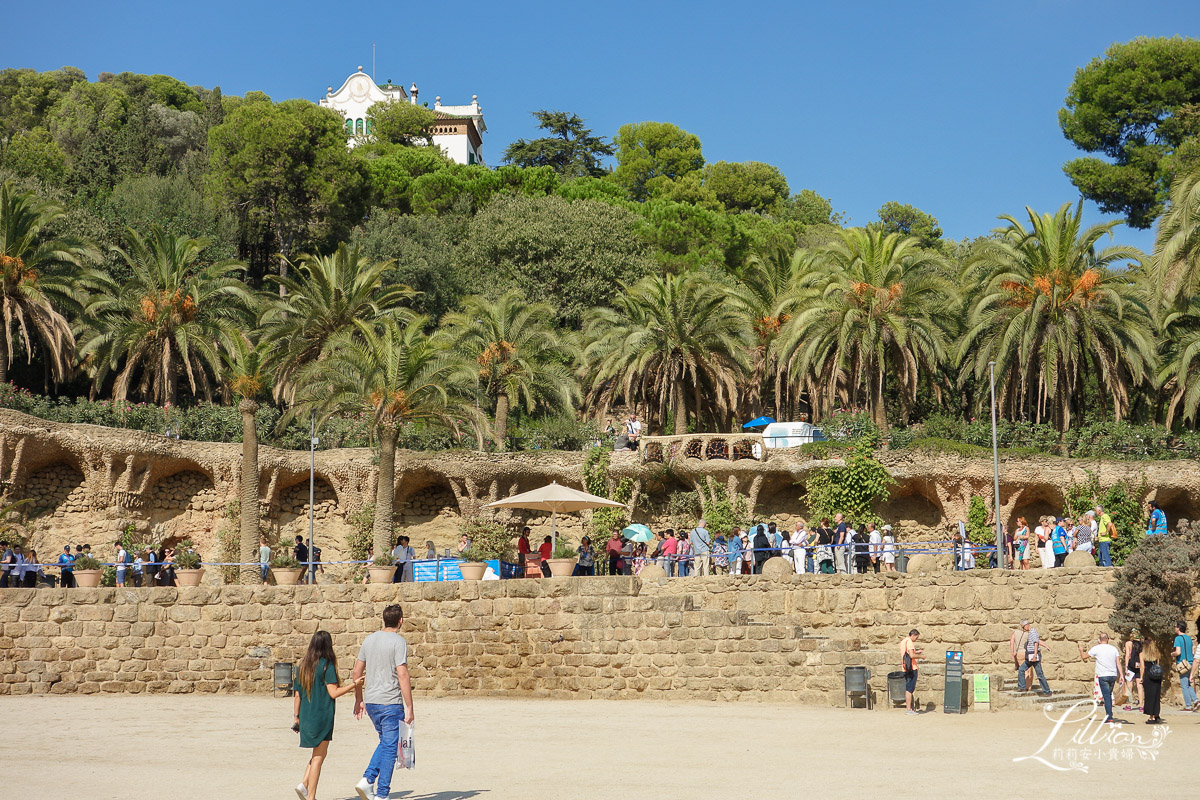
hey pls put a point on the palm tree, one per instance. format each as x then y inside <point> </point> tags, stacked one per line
<point>173,316</point>
<point>35,277</point>
<point>398,375</point>
<point>1177,242</point>
<point>327,295</point>
<point>877,305</point>
<point>247,377</point>
<point>667,340</point>
<point>1180,372</point>
<point>766,296</point>
<point>1052,311</point>
<point>518,355</point>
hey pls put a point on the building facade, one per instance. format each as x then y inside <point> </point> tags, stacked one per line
<point>458,131</point>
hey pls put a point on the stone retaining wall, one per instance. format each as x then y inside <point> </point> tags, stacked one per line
<point>711,638</point>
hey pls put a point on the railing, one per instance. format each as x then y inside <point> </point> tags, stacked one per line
<point>704,447</point>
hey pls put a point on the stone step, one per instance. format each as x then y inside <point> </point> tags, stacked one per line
<point>1034,697</point>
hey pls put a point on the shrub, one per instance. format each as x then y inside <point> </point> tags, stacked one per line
<point>978,530</point>
<point>187,560</point>
<point>853,489</point>
<point>89,562</point>
<point>285,561</point>
<point>384,560</point>
<point>563,549</point>
<point>1156,586</point>
<point>723,512</point>
<point>489,539</point>
<point>1122,501</point>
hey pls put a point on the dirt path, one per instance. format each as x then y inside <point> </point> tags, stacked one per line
<point>226,747</point>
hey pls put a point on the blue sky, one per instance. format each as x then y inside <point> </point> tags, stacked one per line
<point>948,106</point>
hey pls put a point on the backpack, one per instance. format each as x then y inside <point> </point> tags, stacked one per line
<point>721,554</point>
<point>127,559</point>
<point>1112,530</point>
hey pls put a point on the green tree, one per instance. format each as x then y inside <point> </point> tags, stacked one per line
<point>570,149</point>
<point>1050,312</point>
<point>1156,587</point>
<point>1179,374</point>
<point>392,170</point>
<point>286,170</point>
<point>330,294</point>
<point>572,255</point>
<point>1135,105</point>
<point>669,342</point>
<point>396,374</point>
<point>400,123</point>
<point>746,186</point>
<point>174,316</point>
<point>685,237</point>
<point>877,306</point>
<point>909,220</point>
<point>37,279</point>
<point>649,153</point>
<point>853,489</point>
<point>35,154</point>
<point>26,96</point>
<point>515,354</point>
<point>808,208</point>
<point>86,111</point>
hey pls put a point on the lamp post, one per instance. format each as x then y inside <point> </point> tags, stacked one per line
<point>996,470</point>
<point>312,481</point>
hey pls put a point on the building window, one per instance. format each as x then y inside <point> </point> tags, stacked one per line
<point>368,126</point>
<point>470,158</point>
<point>358,126</point>
<point>349,127</point>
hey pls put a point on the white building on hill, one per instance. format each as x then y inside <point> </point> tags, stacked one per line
<point>459,129</point>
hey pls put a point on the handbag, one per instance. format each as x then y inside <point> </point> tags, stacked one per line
<point>1183,667</point>
<point>406,754</point>
<point>1154,671</point>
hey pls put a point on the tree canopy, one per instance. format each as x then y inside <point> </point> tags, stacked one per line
<point>570,150</point>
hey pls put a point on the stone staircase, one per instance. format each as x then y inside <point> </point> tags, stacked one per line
<point>1010,697</point>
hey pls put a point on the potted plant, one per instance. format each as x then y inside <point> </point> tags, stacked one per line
<point>187,565</point>
<point>286,570</point>
<point>382,569</point>
<point>562,560</point>
<point>88,571</point>
<point>474,563</point>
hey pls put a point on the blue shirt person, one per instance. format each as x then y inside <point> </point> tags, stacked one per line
<point>1158,520</point>
<point>66,563</point>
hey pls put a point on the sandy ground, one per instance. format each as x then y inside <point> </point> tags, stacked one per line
<point>204,746</point>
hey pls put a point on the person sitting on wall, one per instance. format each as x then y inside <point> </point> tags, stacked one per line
<point>633,432</point>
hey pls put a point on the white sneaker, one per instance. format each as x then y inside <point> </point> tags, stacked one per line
<point>363,787</point>
<point>302,791</point>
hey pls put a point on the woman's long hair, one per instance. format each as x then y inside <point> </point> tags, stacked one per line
<point>320,646</point>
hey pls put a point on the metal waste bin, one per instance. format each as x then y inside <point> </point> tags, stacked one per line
<point>896,687</point>
<point>901,562</point>
<point>858,681</point>
<point>283,676</point>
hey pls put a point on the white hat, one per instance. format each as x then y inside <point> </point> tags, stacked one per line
<point>887,527</point>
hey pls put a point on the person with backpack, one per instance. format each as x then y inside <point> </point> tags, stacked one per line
<point>1157,526</point>
<point>1184,656</point>
<point>762,549</point>
<point>1152,680</point>
<point>862,558</point>
<point>1106,534</point>
<point>720,555</point>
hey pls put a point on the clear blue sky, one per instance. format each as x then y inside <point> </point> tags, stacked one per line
<point>949,106</point>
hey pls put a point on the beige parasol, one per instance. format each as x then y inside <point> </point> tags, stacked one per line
<point>555,498</point>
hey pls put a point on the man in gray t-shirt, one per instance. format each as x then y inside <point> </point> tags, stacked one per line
<point>386,697</point>
<point>701,541</point>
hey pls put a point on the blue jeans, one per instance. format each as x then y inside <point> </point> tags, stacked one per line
<point>1105,558</point>
<point>1037,667</point>
<point>1106,690</point>
<point>386,719</point>
<point>1189,694</point>
<point>685,568</point>
<point>266,568</point>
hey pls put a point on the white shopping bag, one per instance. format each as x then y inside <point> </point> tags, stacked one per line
<point>406,754</point>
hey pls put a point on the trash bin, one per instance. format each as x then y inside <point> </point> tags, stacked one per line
<point>901,562</point>
<point>858,681</point>
<point>896,687</point>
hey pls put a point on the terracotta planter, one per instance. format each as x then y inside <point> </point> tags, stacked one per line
<point>287,576</point>
<point>561,567</point>
<point>473,570</point>
<point>188,577</point>
<point>381,574</point>
<point>88,578</point>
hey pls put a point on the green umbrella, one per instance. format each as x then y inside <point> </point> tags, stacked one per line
<point>638,533</point>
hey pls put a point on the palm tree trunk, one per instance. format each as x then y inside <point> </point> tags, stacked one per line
<point>678,409</point>
<point>501,428</point>
<point>3,352</point>
<point>385,491</point>
<point>249,516</point>
<point>878,410</point>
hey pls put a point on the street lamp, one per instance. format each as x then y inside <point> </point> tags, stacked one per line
<point>312,481</point>
<point>996,471</point>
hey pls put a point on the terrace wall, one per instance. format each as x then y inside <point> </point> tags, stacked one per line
<point>756,638</point>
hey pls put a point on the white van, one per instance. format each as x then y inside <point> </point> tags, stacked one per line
<point>791,434</point>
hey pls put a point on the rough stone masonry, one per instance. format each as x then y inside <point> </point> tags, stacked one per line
<point>757,638</point>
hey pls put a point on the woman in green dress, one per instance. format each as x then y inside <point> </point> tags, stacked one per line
<point>317,686</point>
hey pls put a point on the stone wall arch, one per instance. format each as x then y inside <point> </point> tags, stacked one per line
<point>914,509</point>
<point>183,505</point>
<point>1177,504</point>
<point>1034,502</point>
<point>57,489</point>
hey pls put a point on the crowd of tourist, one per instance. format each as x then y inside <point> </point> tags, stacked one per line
<point>21,567</point>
